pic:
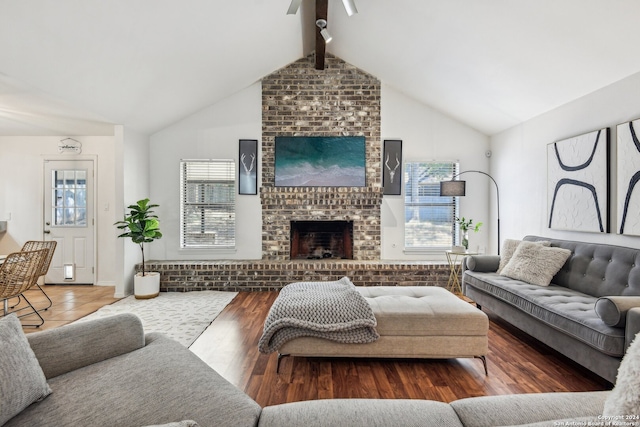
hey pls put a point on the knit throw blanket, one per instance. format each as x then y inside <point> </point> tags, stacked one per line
<point>332,310</point>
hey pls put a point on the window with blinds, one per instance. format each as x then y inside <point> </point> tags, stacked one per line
<point>429,218</point>
<point>207,204</point>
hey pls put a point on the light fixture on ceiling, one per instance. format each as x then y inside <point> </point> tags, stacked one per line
<point>322,24</point>
<point>293,7</point>
<point>349,7</point>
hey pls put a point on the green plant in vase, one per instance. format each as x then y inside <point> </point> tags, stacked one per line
<point>142,226</point>
<point>466,225</point>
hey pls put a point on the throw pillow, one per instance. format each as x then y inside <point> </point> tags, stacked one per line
<point>482,263</point>
<point>22,381</point>
<point>535,264</point>
<point>624,399</point>
<point>509,247</point>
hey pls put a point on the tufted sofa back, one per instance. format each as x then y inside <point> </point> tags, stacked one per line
<point>597,269</point>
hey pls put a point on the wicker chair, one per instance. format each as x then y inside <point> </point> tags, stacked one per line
<point>34,245</point>
<point>19,272</point>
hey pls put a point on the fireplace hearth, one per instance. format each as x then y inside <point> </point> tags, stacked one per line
<point>321,240</point>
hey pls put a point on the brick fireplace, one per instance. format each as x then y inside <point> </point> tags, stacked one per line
<point>321,240</point>
<point>299,100</point>
<point>360,206</point>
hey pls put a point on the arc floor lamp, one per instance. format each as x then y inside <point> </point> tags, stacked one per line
<point>458,188</point>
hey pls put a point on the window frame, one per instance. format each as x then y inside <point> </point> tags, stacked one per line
<point>454,203</point>
<point>221,176</point>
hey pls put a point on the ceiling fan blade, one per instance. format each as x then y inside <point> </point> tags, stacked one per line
<point>350,7</point>
<point>293,7</point>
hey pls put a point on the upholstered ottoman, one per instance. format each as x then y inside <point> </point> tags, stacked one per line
<point>413,322</point>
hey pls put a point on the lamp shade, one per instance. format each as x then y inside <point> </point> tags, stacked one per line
<point>452,188</point>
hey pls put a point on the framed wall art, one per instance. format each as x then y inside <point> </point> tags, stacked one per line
<point>320,161</point>
<point>628,200</point>
<point>578,183</point>
<point>392,167</point>
<point>248,169</point>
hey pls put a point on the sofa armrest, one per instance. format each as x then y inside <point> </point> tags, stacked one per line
<point>633,326</point>
<point>80,344</point>
<point>516,409</point>
<point>613,309</point>
<point>481,263</point>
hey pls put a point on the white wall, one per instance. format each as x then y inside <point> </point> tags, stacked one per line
<point>132,180</point>
<point>519,160</point>
<point>215,131</point>
<point>212,133</point>
<point>21,193</point>
<point>427,134</point>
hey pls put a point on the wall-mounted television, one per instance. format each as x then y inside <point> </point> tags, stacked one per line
<point>320,161</point>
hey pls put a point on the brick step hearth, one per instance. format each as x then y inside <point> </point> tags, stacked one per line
<point>262,275</point>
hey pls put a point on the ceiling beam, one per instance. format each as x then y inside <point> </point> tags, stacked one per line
<point>322,7</point>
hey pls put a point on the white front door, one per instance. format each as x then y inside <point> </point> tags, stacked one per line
<point>69,220</point>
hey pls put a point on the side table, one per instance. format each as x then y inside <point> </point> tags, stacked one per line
<point>455,266</point>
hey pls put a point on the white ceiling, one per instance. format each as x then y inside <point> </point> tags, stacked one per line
<point>75,67</point>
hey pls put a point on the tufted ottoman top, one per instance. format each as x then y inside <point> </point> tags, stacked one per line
<point>423,311</point>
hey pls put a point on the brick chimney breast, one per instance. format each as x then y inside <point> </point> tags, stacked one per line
<point>340,100</point>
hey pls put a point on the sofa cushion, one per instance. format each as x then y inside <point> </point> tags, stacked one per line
<point>83,343</point>
<point>534,263</point>
<point>160,383</point>
<point>625,397</point>
<point>516,409</point>
<point>360,413</point>
<point>562,308</point>
<point>597,269</point>
<point>613,310</point>
<point>22,381</point>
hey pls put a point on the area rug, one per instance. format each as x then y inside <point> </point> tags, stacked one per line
<point>182,316</point>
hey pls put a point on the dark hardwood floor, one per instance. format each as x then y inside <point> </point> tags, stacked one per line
<point>516,362</point>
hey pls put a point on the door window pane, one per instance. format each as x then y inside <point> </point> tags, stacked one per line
<point>70,198</point>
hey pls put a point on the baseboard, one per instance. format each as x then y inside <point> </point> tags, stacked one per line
<point>105,283</point>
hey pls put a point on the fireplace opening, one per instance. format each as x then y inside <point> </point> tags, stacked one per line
<point>321,240</point>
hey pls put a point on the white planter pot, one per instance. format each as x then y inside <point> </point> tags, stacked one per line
<point>147,286</point>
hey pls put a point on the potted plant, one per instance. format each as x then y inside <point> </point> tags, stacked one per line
<point>142,227</point>
<point>465,226</point>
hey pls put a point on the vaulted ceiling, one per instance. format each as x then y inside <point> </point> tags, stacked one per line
<point>74,67</point>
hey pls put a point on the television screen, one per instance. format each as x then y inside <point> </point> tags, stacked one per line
<point>320,161</point>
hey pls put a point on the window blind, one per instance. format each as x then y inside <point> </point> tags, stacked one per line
<point>207,208</point>
<point>429,217</point>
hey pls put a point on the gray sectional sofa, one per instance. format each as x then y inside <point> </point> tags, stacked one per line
<point>590,312</point>
<point>107,372</point>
